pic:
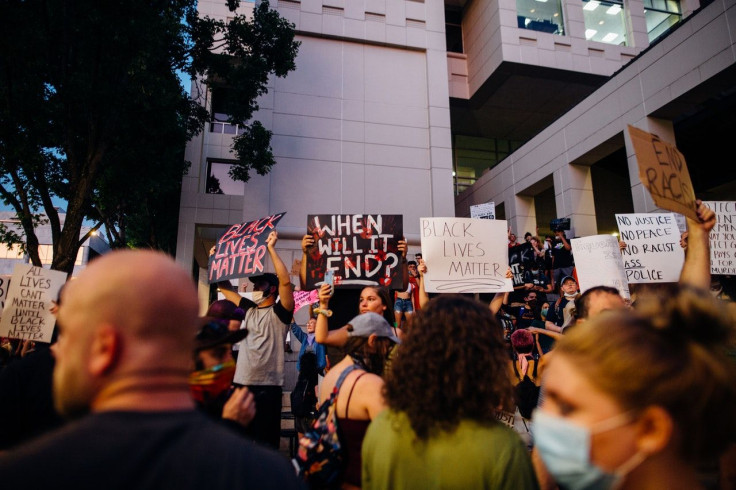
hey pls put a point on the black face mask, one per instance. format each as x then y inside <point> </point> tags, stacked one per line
<point>532,302</point>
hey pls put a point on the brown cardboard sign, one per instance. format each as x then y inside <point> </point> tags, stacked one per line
<point>663,171</point>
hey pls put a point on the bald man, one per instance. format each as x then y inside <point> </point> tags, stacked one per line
<point>127,329</point>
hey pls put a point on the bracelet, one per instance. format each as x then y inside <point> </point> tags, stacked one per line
<point>327,313</point>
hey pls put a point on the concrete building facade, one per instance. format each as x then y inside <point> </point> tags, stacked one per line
<point>424,108</point>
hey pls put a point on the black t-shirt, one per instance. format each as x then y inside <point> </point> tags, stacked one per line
<point>139,450</point>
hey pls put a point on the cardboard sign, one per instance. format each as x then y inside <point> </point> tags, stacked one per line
<point>362,249</point>
<point>465,255</point>
<point>598,263</point>
<point>559,224</point>
<point>663,171</point>
<point>520,257</point>
<point>483,211</point>
<point>723,238</point>
<point>27,314</point>
<point>653,252</point>
<point>4,285</point>
<point>241,249</point>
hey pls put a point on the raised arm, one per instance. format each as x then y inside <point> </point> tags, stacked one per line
<point>499,299</point>
<point>322,333</point>
<point>286,293</point>
<point>696,269</point>
<point>307,241</point>
<point>404,263</point>
<point>423,296</point>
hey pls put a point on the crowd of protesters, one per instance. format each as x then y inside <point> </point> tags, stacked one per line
<point>568,390</point>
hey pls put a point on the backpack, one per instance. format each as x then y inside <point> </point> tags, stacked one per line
<point>526,393</point>
<point>320,457</point>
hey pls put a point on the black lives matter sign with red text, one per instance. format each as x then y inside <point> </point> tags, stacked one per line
<point>362,249</point>
<point>241,250</point>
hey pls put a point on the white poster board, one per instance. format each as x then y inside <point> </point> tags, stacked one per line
<point>723,238</point>
<point>27,314</point>
<point>4,284</point>
<point>483,211</point>
<point>465,255</point>
<point>653,252</point>
<point>598,263</point>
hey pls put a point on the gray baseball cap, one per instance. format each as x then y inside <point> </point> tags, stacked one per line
<point>369,323</point>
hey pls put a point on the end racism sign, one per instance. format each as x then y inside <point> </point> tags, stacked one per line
<point>362,249</point>
<point>663,172</point>
<point>241,249</point>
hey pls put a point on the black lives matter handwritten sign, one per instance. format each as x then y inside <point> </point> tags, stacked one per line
<point>27,314</point>
<point>723,238</point>
<point>663,171</point>
<point>241,250</point>
<point>653,252</point>
<point>465,255</point>
<point>362,249</point>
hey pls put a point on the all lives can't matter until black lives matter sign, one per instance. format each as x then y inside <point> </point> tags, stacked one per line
<point>27,313</point>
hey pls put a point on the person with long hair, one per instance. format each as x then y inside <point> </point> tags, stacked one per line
<point>639,398</point>
<point>375,299</point>
<point>369,341</point>
<point>441,430</point>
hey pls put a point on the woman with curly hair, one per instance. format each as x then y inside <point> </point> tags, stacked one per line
<point>446,383</point>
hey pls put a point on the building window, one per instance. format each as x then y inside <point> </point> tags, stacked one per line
<point>660,16</point>
<point>473,156</point>
<point>604,22</point>
<point>454,30</point>
<point>12,252</point>
<point>221,112</point>
<point>540,15</point>
<point>219,180</point>
<point>46,254</point>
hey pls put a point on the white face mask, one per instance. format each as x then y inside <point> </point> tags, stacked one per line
<point>259,297</point>
<point>565,449</point>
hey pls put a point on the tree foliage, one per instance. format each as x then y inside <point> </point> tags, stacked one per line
<point>92,111</point>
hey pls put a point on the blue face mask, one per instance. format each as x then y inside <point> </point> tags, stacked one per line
<point>544,311</point>
<point>565,451</point>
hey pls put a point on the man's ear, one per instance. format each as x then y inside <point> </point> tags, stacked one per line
<point>655,430</point>
<point>104,351</point>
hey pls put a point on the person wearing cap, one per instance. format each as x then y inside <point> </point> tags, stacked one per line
<point>211,383</point>
<point>228,311</point>
<point>370,339</point>
<point>127,328</point>
<point>260,364</point>
<point>561,312</point>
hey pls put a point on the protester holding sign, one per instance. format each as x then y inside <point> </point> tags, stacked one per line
<point>260,364</point>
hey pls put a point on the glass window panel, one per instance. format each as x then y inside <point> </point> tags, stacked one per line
<point>661,15</point>
<point>540,15</point>
<point>604,22</point>
<point>220,182</point>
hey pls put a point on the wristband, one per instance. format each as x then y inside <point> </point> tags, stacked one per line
<point>327,313</point>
